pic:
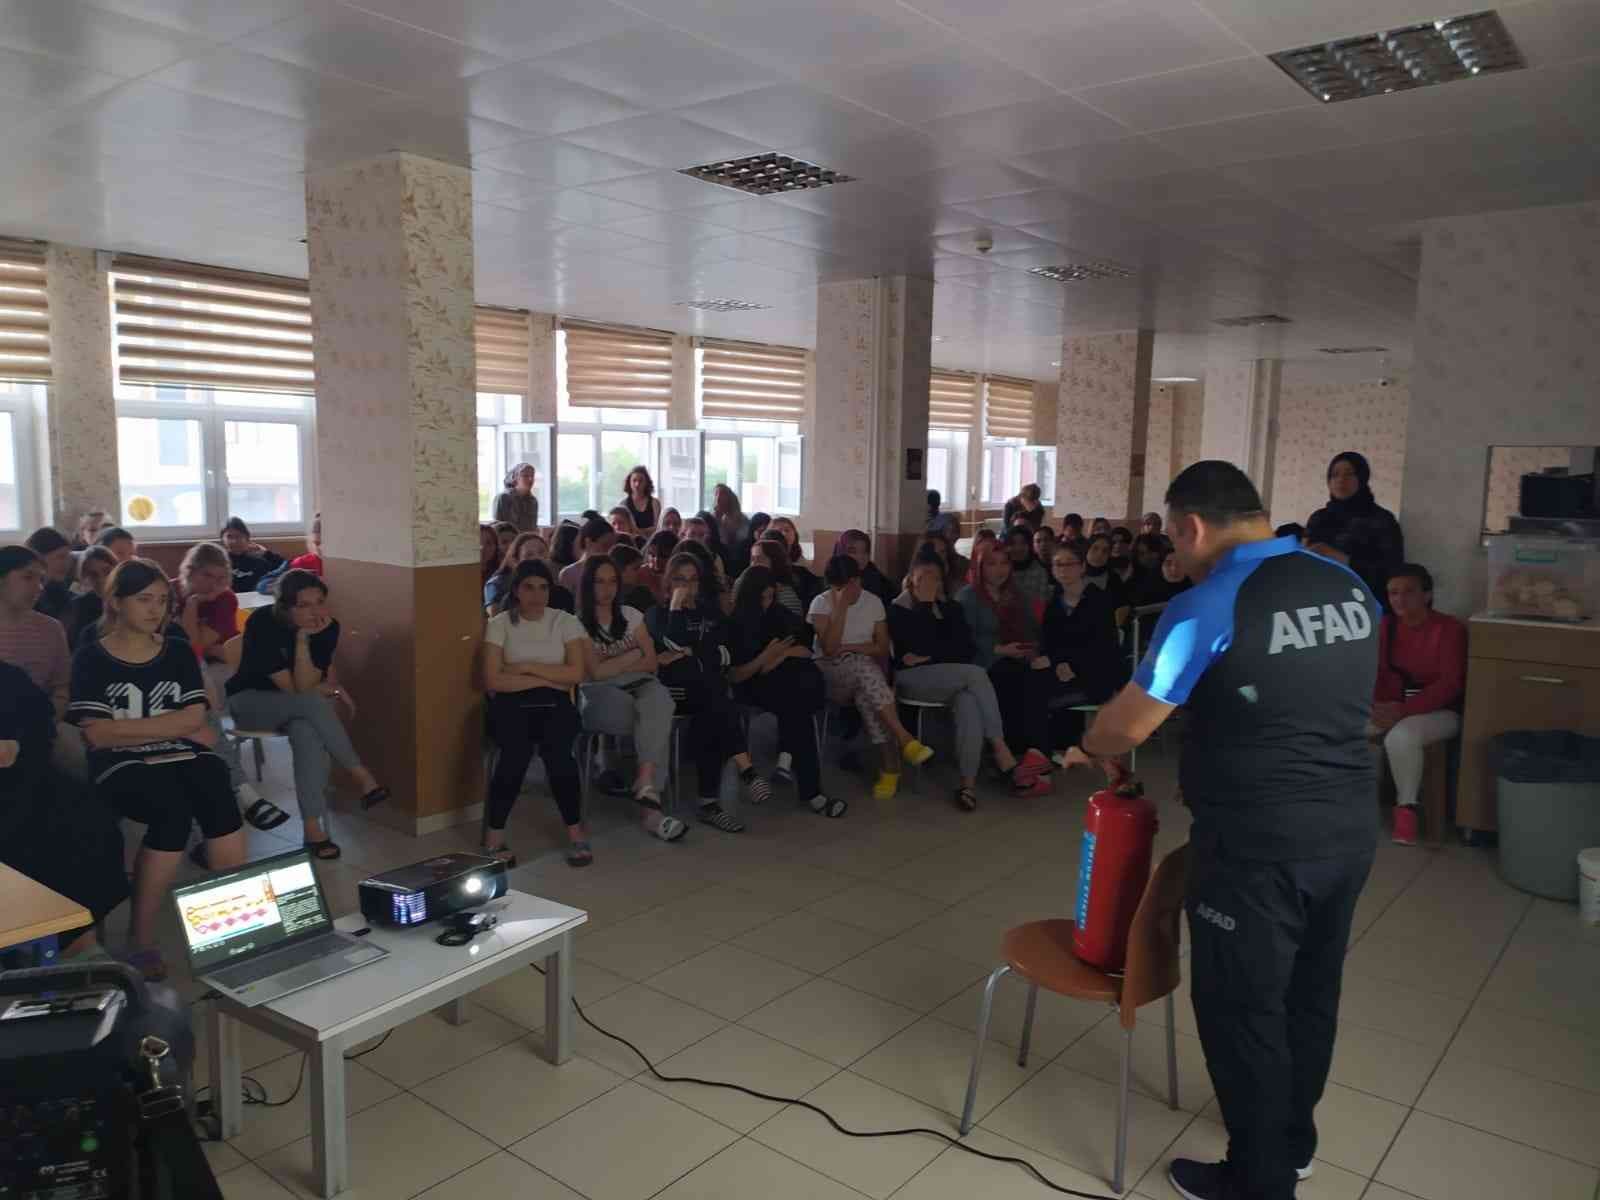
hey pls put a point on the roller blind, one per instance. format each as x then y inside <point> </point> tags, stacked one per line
<point>611,367</point>
<point>752,382</point>
<point>501,345</point>
<point>185,325</point>
<point>24,312</point>
<point>952,401</point>
<point>1010,408</point>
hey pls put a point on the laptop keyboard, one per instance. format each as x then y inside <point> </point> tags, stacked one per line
<point>280,961</point>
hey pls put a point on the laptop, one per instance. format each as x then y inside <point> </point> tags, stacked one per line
<point>261,931</point>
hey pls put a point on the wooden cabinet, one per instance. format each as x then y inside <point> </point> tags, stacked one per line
<point>1521,675</point>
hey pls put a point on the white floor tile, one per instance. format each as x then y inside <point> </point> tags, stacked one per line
<point>1441,1160</point>
<point>723,911</point>
<point>267,1129</point>
<point>642,946</point>
<point>1058,1020</point>
<point>250,1182</point>
<point>747,1167</point>
<point>1548,1116</point>
<point>831,1021</point>
<point>957,1175</point>
<point>908,974</point>
<point>504,1175</point>
<point>808,940</point>
<point>728,981</point>
<point>881,910</point>
<point>1392,1067</point>
<point>1099,1053</point>
<point>429,1045</point>
<point>516,1092</point>
<point>1537,1048</point>
<point>519,997</point>
<point>1426,1018</point>
<point>626,1145</point>
<point>932,1061</point>
<point>735,1054</point>
<point>1207,1141</point>
<point>659,1024</point>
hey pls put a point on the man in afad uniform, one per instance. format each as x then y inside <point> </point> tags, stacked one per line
<point>1274,652</point>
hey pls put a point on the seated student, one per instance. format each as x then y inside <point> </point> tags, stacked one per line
<point>772,669</point>
<point>630,566</point>
<point>706,528</point>
<point>982,540</point>
<point>28,638</point>
<point>622,696</point>
<point>1150,525</point>
<point>1030,576</point>
<point>489,553</point>
<point>249,560</point>
<point>690,635</point>
<point>524,546</point>
<point>55,552</point>
<point>807,583</point>
<point>621,520</point>
<point>1291,529</point>
<point>53,828</point>
<point>564,545</point>
<point>1024,506</point>
<point>1098,526</point>
<point>139,699</point>
<point>1097,570</point>
<point>311,560</point>
<point>533,659</point>
<point>595,539</point>
<point>207,607</point>
<point>1006,628</point>
<point>1072,527</point>
<point>1172,573</point>
<point>1044,545</point>
<point>505,533</point>
<point>947,525</point>
<point>852,637</point>
<point>714,581</point>
<point>1422,677</point>
<point>120,542</point>
<point>771,552</point>
<point>94,568</point>
<point>955,564</point>
<point>89,526</point>
<point>857,546</point>
<point>286,682</point>
<point>755,527</point>
<point>933,652</point>
<point>658,551</point>
<point>1079,637</point>
<point>672,521</point>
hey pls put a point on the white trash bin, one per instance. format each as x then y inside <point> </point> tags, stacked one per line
<point>1589,885</point>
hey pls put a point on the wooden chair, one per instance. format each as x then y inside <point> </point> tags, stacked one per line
<point>1041,953</point>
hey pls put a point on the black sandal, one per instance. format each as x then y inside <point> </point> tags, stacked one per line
<point>966,799</point>
<point>833,808</point>
<point>327,849</point>
<point>579,854</point>
<point>375,797</point>
<point>265,815</point>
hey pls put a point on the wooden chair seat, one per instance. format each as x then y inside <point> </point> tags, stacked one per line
<point>1041,952</point>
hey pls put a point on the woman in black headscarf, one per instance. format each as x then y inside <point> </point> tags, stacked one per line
<point>1352,528</point>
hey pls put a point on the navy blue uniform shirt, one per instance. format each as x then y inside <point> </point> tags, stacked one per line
<point>1275,655</point>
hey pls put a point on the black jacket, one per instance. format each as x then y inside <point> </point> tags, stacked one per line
<point>1086,640</point>
<point>876,582</point>
<point>746,639</point>
<point>1369,534</point>
<point>943,638</point>
<point>703,632</point>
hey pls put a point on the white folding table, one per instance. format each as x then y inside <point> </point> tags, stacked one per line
<point>418,976</point>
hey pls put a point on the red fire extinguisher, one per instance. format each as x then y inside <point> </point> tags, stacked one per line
<point>1113,868</point>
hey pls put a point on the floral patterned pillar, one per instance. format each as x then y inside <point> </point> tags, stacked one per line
<point>1241,415</point>
<point>1101,416</point>
<point>868,436</point>
<point>390,248</point>
<point>82,410</point>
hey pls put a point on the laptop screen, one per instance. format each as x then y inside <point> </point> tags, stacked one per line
<point>250,910</point>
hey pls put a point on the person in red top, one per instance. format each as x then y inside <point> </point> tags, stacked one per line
<point>311,560</point>
<point>1422,675</point>
<point>207,608</point>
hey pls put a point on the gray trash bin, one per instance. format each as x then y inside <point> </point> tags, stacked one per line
<point>1548,794</point>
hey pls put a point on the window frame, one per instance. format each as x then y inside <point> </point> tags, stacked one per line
<point>1014,477</point>
<point>782,434</point>
<point>213,418</point>
<point>21,406</point>
<point>957,445</point>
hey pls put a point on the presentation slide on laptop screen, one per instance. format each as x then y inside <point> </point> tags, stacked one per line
<point>249,911</point>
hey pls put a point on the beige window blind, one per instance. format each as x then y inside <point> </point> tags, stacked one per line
<point>952,401</point>
<point>610,367</point>
<point>501,345</point>
<point>179,324</point>
<point>1010,408</point>
<point>24,312</point>
<point>752,382</point>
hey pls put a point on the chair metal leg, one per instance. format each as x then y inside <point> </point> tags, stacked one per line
<point>1122,1110</point>
<point>984,1010</point>
<point>917,781</point>
<point>1027,1025</point>
<point>1172,1057</point>
<point>259,753</point>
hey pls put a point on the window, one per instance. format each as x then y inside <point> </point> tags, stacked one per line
<point>215,398</point>
<point>596,446</point>
<point>947,466</point>
<point>1008,426</point>
<point>759,460</point>
<point>1002,469</point>
<point>494,410</point>
<point>18,402</point>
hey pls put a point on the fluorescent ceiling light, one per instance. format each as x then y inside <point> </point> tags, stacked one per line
<point>1399,60</point>
<point>766,174</point>
<point>720,304</point>
<point>1175,379</point>
<point>1252,319</point>
<point>1352,349</point>
<point>1079,272</point>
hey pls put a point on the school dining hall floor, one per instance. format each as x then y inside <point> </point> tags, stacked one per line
<point>842,961</point>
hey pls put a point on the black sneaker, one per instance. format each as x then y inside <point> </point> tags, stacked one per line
<point>612,783</point>
<point>1200,1181</point>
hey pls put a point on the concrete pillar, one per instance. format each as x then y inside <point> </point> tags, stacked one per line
<point>681,412</point>
<point>869,437</point>
<point>1102,415</point>
<point>81,411</point>
<point>540,403</point>
<point>1240,424</point>
<point>390,247</point>
<point>1160,447</point>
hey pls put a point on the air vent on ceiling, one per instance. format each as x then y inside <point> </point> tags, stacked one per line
<point>1352,349</point>
<point>1397,60</point>
<point>1254,319</point>
<point>767,174</point>
<point>722,305</point>
<point>1081,271</point>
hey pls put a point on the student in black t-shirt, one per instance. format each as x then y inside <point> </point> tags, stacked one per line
<point>285,682</point>
<point>249,560</point>
<point>55,552</point>
<point>141,703</point>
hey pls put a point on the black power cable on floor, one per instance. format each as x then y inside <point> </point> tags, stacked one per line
<point>255,1094</point>
<point>827,1116</point>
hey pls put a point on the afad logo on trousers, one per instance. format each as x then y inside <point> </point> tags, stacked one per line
<point>1206,913</point>
<point>1321,625</point>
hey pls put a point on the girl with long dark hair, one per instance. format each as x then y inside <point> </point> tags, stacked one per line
<point>639,498</point>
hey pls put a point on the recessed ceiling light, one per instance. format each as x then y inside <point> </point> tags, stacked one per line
<point>939,337</point>
<point>1398,60</point>
<point>1253,319</point>
<point>722,305</point>
<point>766,174</point>
<point>1079,272</point>
<point>1175,379</point>
<point>1352,349</point>
<point>1057,363</point>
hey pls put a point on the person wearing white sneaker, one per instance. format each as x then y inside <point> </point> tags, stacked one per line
<point>1273,654</point>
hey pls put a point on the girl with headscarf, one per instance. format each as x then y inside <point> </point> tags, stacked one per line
<point>1352,528</point>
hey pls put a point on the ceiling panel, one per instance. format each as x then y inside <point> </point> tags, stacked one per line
<point>560,164</point>
<point>532,99</point>
<point>971,181</point>
<point>1554,31</point>
<point>1216,92</point>
<point>1286,24</point>
<point>41,82</point>
<point>1126,158</point>
<point>514,29</point>
<point>662,191</point>
<point>658,68</point>
<point>109,41</point>
<point>1265,135</point>
<point>1018,129</point>
<point>664,140</point>
<point>401,125</point>
<point>957,81</point>
<point>221,20</point>
<point>271,85</point>
<point>789,114</point>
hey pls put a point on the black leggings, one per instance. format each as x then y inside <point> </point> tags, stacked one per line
<point>714,734</point>
<point>1024,695</point>
<point>794,693</point>
<point>521,723</point>
<point>167,798</point>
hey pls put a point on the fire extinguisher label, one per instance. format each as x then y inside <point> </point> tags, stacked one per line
<point>1085,877</point>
